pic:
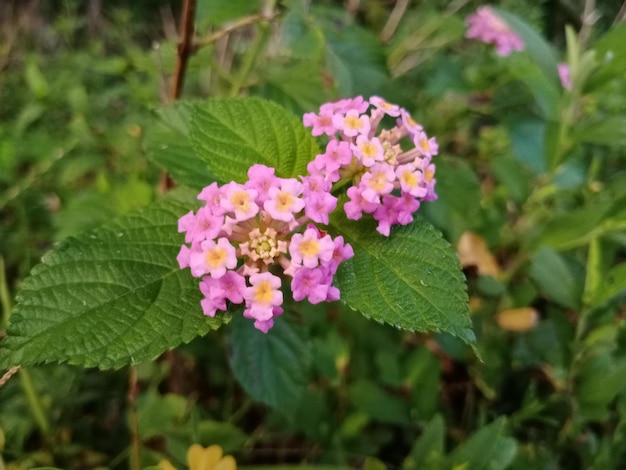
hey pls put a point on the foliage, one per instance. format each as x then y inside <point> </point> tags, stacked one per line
<point>531,191</point>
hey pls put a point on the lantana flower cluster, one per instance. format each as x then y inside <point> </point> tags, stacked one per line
<point>486,26</point>
<point>385,180</point>
<point>244,235</point>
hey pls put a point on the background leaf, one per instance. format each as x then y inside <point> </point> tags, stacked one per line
<point>232,134</point>
<point>272,368</point>
<point>109,297</point>
<point>167,144</point>
<point>487,449</point>
<point>411,280</point>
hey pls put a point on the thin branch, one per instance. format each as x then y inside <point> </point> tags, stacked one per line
<point>621,15</point>
<point>133,391</point>
<point>10,373</point>
<point>394,20</point>
<point>185,48</point>
<point>235,25</point>
<point>588,19</point>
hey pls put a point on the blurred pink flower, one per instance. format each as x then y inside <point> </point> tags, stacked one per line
<point>564,75</point>
<point>487,27</point>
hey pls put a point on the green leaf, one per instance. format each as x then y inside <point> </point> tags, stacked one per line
<point>613,284</point>
<point>534,44</point>
<point>610,130</point>
<point>272,368</point>
<point>168,145</point>
<point>487,449</point>
<point>428,450</point>
<point>527,140</point>
<point>411,280</point>
<point>226,435</point>
<point>109,297</point>
<point>574,228</point>
<point>356,60</point>
<point>378,404</point>
<point>217,12</point>
<point>232,134</point>
<point>557,278</point>
<point>611,56</point>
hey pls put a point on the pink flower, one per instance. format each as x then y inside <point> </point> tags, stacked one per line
<point>565,76</point>
<point>262,296</point>
<point>284,202</point>
<point>352,124</point>
<point>368,151</point>
<point>386,214</point>
<point>213,258</point>
<point>489,28</point>
<point>357,205</point>
<point>387,108</point>
<point>310,284</point>
<point>240,201</point>
<point>341,252</point>
<point>377,182</point>
<point>427,147</point>
<point>319,205</point>
<point>309,249</point>
<point>410,179</point>
<point>261,178</point>
<point>321,124</point>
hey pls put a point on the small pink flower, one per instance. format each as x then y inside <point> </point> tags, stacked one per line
<point>427,147</point>
<point>310,284</point>
<point>240,201</point>
<point>213,258</point>
<point>308,249</point>
<point>261,178</point>
<point>377,182</point>
<point>321,124</point>
<point>386,214</point>
<point>352,124</point>
<point>565,76</point>
<point>410,179</point>
<point>318,206</point>
<point>262,296</point>
<point>489,28</point>
<point>368,151</point>
<point>387,108</point>
<point>357,205</point>
<point>341,252</point>
<point>284,202</point>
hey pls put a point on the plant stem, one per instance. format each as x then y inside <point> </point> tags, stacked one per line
<point>185,48</point>
<point>133,390</point>
<point>251,55</point>
<point>5,298</point>
<point>34,403</point>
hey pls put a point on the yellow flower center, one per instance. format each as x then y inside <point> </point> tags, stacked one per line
<point>284,201</point>
<point>425,145</point>
<point>240,200</point>
<point>378,181</point>
<point>409,178</point>
<point>353,122</point>
<point>368,149</point>
<point>216,257</point>
<point>263,293</point>
<point>309,248</point>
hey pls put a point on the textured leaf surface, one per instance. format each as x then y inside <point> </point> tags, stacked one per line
<point>232,134</point>
<point>411,280</point>
<point>272,368</point>
<point>488,449</point>
<point>167,144</point>
<point>109,297</point>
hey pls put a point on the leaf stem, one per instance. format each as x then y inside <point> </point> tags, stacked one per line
<point>251,55</point>
<point>5,297</point>
<point>34,403</point>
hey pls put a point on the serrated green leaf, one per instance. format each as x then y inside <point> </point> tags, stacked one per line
<point>411,280</point>
<point>168,145</point>
<point>232,134</point>
<point>272,368</point>
<point>109,297</point>
<point>487,449</point>
<point>217,12</point>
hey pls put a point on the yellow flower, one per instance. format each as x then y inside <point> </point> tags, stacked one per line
<point>199,458</point>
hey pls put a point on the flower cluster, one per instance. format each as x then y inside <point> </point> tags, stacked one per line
<point>245,233</point>
<point>487,27</point>
<point>387,181</point>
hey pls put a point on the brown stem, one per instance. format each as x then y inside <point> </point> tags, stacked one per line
<point>185,48</point>
<point>133,391</point>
